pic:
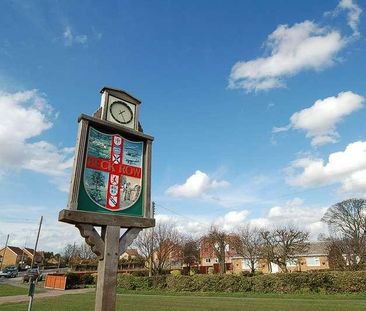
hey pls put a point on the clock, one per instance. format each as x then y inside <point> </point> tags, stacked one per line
<point>119,107</point>
<point>121,112</point>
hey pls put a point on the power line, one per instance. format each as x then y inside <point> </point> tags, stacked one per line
<point>184,216</point>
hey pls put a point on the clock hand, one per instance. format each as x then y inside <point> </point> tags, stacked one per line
<point>121,113</point>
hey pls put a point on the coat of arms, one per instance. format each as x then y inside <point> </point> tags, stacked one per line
<point>113,170</point>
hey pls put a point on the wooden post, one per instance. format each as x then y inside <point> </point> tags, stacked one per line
<point>107,270</point>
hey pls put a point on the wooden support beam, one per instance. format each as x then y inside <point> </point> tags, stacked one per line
<point>127,238</point>
<point>92,238</point>
<point>105,299</point>
<point>99,219</point>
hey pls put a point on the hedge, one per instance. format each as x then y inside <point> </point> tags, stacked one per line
<point>324,282</point>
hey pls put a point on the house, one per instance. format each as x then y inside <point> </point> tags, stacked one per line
<point>38,258</point>
<point>15,256</point>
<point>315,258</point>
<point>168,256</point>
<point>130,254</point>
<point>11,256</point>
<point>209,258</point>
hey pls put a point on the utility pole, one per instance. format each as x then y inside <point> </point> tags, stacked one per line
<point>32,285</point>
<point>152,242</point>
<point>6,245</point>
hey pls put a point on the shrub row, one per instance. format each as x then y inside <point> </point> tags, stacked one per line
<point>325,282</point>
<point>74,280</point>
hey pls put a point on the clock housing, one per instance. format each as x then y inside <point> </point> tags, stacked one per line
<point>120,107</point>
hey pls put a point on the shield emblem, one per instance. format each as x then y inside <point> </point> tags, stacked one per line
<point>113,170</point>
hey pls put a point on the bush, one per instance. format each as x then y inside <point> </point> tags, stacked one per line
<point>87,279</point>
<point>95,278</point>
<point>72,280</point>
<point>128,281</point>
<point>324,282</point>
<point>175,272</point>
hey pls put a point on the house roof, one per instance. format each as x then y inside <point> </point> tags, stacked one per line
<point>16,250</point>
<point>30,252</point>
<point>131,252</point>
<point>316,248</point>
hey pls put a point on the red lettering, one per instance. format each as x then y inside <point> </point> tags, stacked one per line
<point>131,171</point>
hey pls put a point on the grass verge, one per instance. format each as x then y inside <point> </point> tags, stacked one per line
<point>133,301</point>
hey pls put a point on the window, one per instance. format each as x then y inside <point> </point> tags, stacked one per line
<point>245,263</point>
<point>208,260</point>
<point>313,261</point>
<point>291,263</point>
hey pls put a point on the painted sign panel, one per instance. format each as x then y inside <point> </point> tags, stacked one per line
<point>112,176</point>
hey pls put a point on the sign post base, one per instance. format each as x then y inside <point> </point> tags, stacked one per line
<point>105,299</point>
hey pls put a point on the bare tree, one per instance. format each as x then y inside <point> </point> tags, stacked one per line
<point>167,247</point>
<point>218,240</point>
<point>162,245</point>
<point>347,224</point>
<point>283,244</point>
<point>69,253</point>
<point>85,252</point>
<point>249,245</point>
<point>145,245</point>
<point>191,251</point>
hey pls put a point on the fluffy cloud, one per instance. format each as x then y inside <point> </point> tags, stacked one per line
<point>26,115</point>
<point>353,15</point>
<point>319,121</point>
<point>196,185</point>
<point>203,187</point>
<point>70,38</point>
<point>303,46</point>
<point>53,237</point>
<point>345,167</point>
<point>293,212</point>
<point>232,220</point>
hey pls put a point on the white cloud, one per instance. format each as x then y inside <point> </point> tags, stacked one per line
<point>319,121</point>
<point>232,220</point>
<point>70,38</point>
<point>294,212</point>
<point>303,46</point>
<point>53,236</point>
<point>345,167</point>
<point>353,15</point>
<point>26,115</point>
<point>201,186</point>
<point>196,185</point>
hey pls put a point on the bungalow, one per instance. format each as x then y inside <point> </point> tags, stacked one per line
<point>315,258</point>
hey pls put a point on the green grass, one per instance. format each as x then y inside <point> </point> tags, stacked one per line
<point>132,301</point>
<point>8,290</point>
<point>22,289</point>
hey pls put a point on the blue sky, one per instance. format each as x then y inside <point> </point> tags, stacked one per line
<point>257,108</point>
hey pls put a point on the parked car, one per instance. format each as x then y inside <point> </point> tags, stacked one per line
<point>32,274</point>
<point>9,272</point>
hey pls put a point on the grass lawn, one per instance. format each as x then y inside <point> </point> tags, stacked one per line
<point>8,290</point>
<point>132,301</point>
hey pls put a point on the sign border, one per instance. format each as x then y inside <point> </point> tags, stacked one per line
<point>85,122</point>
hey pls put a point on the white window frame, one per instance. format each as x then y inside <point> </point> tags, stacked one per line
<point>313,261</point>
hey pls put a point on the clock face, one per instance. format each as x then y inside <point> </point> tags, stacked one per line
<point>121,112</point>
